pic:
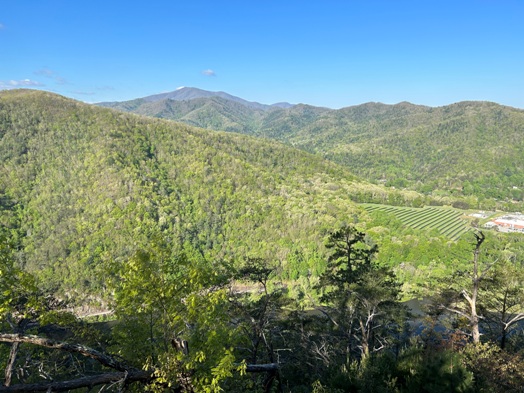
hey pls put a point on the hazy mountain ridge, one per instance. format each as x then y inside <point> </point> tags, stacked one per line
<point>192,93</point>
<point>82,187</point>
<point>466,146</point>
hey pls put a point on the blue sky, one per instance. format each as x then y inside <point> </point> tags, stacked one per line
<point>325,53</point>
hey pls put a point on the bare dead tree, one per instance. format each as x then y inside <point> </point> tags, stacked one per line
<point>471,294</point>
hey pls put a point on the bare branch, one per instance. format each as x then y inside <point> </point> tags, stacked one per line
<point>516,318</point>
<point>483,273</point>
<point>467,297</point>
<point>103,359</point>
<point>457,312</point>
<point>329,316</point>
<point>63,386</point>
<point>260,368</point>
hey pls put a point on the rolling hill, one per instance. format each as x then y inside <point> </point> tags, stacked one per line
<point>470,149</point>
<point>83,187</point>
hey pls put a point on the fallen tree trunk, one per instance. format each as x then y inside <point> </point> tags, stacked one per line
<point>261,368</point>
<point>103,359</point>
<point>124,375</point>
<point>63,386</point>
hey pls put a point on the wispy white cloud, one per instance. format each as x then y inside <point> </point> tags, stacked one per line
<point>105,88</point>
<point>44,72</point>
<point>27,82</point>
<point>2,26</point>
<point>12,84</point>
<point>48,73</point>
<point>209,72</point>
<point>95,90</point>
<point>84,93</point>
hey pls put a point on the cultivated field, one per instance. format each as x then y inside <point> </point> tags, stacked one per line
<point>448,221</point>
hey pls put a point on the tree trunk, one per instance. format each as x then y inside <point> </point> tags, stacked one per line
<point>184,378</point>
<point>65,386</point>
<point>474,319</point>
<point>10,363</point>
<point>503,318</point>
<point>364,339</point>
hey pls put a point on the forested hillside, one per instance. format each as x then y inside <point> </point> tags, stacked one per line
<point>81,186</point>
<point>223,262</point>
<point>470,149</point>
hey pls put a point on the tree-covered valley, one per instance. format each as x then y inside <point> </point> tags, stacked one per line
<point>229,262</point>
<point>469,149</point>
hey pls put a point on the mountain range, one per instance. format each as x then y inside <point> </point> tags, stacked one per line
<point>192,93</point>
<point>470,148</point>
<point>84,187</point>
<point>194,238</point>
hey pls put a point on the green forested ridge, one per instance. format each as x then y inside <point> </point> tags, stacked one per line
<point>214,113</point>
<point>81,185</point>
<point>468,148</point>
<point>231,263</point>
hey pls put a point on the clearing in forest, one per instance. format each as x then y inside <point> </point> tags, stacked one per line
<point>448,221</point>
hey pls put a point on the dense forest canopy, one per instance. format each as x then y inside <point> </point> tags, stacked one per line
<point>471,149</point>
<point>81,185</point>
<point>222,261</point>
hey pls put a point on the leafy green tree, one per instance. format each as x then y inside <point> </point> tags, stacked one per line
<point>494,369</point>
<point>171,308</point>
<point>362,297</point>
<point>257,315</point>
<point>503,301</point>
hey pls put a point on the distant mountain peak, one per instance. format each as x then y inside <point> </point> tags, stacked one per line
<point>184,93</point>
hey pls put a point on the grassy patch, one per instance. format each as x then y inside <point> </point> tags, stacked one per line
<point>446,220</point>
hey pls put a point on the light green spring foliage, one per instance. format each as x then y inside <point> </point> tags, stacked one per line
<point>164,294</point>
<point>142,212</point>
<point>82,186</point>
<point>89,185</point>
<point>467,149</point>
<point>18,292</point>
